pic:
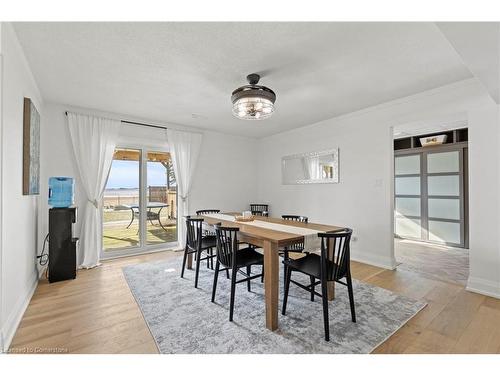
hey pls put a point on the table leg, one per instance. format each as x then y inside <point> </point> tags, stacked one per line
<point>271,284</point>
<point>190,262</point>
<point>159,220</point>
<point>131,220</point>
<point>331,290</point>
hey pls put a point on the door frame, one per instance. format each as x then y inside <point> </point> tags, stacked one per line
<point>143,247</point>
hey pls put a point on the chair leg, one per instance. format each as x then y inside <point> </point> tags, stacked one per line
<point>351,297</point>
<point>262,275</point>
<point>313,280</point>
<point>184,261</point>
<point>233,287</point>
<point>288,276</point>
<point>216,276</point>
<point>227,273</point>
<point>324,297</point>
<point>212,258</point>
<point>209,252</point>
<point>249,269</point>
<point>285,258</point>
<point>197,271</point>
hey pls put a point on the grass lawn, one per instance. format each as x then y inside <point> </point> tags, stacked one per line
<point>116,235</point>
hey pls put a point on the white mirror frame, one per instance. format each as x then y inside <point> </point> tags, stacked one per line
<point>334,152</point>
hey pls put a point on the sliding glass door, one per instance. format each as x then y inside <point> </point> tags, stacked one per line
<point>140,202</point>
<point>430,194</point>
<point>121,203</point>
<point>161,199</point>
<point>445,197</point>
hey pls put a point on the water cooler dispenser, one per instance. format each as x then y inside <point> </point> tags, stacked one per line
<point>62,244</point>
<point>61,191</point>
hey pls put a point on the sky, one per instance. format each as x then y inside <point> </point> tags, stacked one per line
<point>125,174</point>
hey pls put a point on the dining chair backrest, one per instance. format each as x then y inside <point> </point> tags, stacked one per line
<point>297,247</point>
<point>259,209</point>
<point>207,211</point>
<point>207,231</point>
<point>227,244</point>
<point>335,254</point>
<point>194,230</point>
<point>302,219</point>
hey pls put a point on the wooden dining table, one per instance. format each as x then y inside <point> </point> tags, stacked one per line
<point>271,240</point>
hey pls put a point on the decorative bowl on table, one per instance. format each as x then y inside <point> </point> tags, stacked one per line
<point>244,219</point>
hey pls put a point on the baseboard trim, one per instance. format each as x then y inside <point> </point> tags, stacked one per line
<point>483,286</point>
<point>10,327</point>
<point>382,262</point>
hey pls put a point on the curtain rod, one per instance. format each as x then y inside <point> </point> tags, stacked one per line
<point>136,123</point>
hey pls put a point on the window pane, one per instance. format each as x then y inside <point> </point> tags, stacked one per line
<point>444,185</point>
<point>407,164</point>
<point>441,162</point>
<point>161,196</point>
<point>408,206</point>
<point>121,211</point>
<point>444,208</point>
<point>442,231</point>
<point>407,186</point>
<point>406,227</point>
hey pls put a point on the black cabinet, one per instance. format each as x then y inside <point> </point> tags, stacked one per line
<point>62,244</point>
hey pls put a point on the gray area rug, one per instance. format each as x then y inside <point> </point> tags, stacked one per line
<point>183,320</point>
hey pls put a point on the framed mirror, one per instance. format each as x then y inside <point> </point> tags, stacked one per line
<point>321,167</point>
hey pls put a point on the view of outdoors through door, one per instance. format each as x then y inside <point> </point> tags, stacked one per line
<point>121,214</point>
<point>161,199</point>
<point>139,211</point>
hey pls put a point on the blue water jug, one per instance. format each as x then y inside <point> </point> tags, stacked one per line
<point>61,191</point>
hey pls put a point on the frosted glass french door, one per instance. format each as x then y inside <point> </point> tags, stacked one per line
<point>408,196</point>
<point>429,196</point>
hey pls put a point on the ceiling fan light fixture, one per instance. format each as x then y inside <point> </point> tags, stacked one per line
<point>252,101</point>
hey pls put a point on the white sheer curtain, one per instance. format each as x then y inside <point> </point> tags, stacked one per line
<point>94,141</point>
<point>184,149</point>
<point>313,167</point>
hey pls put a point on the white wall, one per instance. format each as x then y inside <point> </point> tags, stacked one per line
<point>363,198</point>
<point>484,201</point>
<point>1,190</point>
<point>359,201</point>
<point>224,179</point>
<point>18,213</point>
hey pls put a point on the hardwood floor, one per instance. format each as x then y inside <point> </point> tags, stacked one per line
<point>96,313</point>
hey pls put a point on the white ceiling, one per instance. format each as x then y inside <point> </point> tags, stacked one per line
<point>185,72</point>
<point>478,44</point>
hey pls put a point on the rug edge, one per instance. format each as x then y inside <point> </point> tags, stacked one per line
<point>142,312</point>
<point>425,304</point>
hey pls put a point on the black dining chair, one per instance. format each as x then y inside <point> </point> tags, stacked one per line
<point>332,265</point>
<point>231,257</point>
<point>294,248</point>
<point>197,244</point>
<point>258,209</point>
<point>207,233</point>
<point>207,211</point>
